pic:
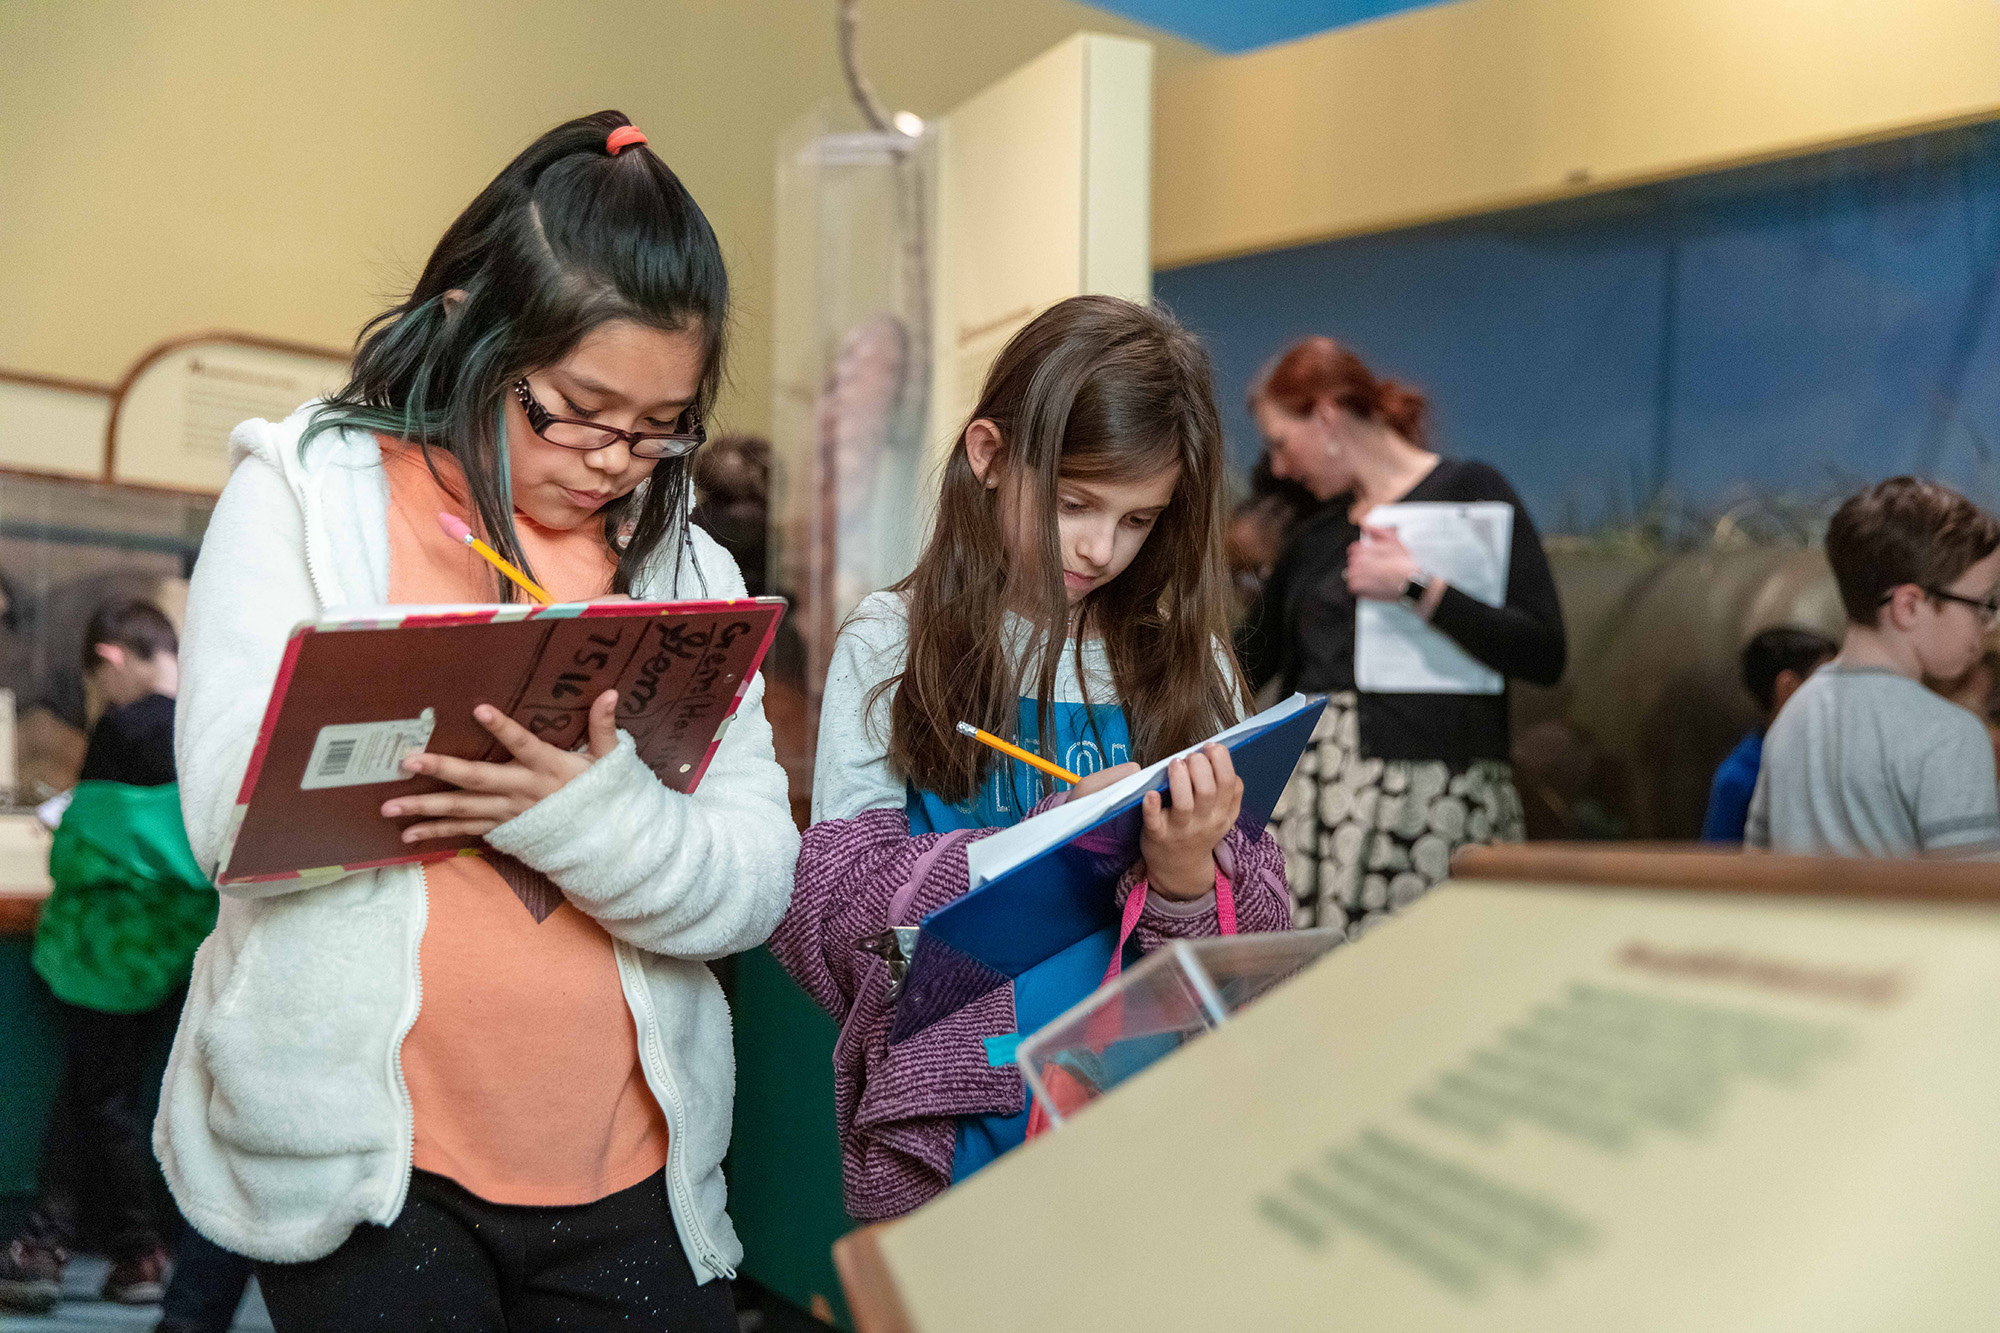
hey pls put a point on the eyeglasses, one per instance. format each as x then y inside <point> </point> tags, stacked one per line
<point>1987,607</point>
<point>590,436</point>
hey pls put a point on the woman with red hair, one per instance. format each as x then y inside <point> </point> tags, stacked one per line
<point>1395,781</point>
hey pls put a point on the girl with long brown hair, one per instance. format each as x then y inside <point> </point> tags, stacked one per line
<point>1072,597</point>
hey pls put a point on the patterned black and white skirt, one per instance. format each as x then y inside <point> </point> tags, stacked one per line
<point>1366,837</point>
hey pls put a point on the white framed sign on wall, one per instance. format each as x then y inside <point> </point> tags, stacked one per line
<point>53,426</point>
<point>171,420</point>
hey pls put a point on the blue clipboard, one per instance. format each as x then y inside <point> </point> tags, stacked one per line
<point>1063,893</point>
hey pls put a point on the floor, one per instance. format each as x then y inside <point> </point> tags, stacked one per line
<point>81,1309</point>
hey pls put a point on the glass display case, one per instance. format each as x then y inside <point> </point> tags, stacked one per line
<point>67,547</point>
<point>851,388</point>
<point>1153,1009</point>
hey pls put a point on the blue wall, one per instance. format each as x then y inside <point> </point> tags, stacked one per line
<point>1792,329</point>
<point>1243,25</point>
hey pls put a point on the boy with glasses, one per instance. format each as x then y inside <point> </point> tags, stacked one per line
<point>1864,760</point>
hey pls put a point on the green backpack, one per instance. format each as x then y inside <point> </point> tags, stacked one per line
<point>130,904</point>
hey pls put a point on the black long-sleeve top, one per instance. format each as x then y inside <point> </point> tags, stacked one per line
<point>133,744</point>
<point>1302,629</point>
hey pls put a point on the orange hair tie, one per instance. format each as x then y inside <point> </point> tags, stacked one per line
<point>622,137</point>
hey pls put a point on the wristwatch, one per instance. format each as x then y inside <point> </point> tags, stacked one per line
<point>1414,588</point>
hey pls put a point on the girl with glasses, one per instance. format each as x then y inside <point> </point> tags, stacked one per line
<point>486,1092</point>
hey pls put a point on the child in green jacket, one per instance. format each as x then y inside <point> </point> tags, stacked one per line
<point>116,941</point>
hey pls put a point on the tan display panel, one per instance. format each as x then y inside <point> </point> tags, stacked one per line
<point>1528,1106</point>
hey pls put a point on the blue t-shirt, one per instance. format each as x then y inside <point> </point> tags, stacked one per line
<point>1729,795</point>
<point>1087,737</point>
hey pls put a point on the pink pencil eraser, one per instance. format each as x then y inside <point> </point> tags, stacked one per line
<point>455,527</point>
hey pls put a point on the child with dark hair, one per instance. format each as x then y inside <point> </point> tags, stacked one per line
<point>115,943</point>
<point>732,501</point>
<point>1258,528</point>
<point>485,1092</point>
<point>1864,760</point>
<point>1775,663</point>
<point>1978,692</point>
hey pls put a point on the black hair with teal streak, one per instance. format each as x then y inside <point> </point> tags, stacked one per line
<point>566,238</point>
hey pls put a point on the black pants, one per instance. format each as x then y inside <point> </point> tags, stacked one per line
<point>454,1261</point>
<point>207,1287</point>
<point>97,1154</point>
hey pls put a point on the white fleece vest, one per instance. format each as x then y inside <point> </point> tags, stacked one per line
<point>284,1120</point>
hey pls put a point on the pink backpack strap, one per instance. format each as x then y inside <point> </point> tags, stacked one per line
<point>906,892</point>
<point>887,945</point>
<point>1135,907</point>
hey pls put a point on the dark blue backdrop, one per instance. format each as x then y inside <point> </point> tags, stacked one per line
<point>1788,330</point>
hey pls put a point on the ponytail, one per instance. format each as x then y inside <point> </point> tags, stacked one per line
<point>587,225</point>
<point>1317,369</point>
<point>1402,409</point>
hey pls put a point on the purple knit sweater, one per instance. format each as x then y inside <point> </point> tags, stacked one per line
<point>897,1107</point>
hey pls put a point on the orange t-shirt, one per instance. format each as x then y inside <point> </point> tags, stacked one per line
<point>523,1064</point>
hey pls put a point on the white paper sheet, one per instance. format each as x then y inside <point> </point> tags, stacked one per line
<point>50,812</point>
<point>1469,547</point>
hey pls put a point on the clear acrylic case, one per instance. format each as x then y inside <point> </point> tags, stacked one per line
<point>852,340</point>
<point>1154,1009</point>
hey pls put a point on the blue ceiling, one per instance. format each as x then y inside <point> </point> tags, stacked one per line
<point>1244,25</point>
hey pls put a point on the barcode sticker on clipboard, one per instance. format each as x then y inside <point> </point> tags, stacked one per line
<point>354,754</point>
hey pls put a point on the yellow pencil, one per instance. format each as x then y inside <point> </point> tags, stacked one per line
<point>1007,747</point>
<point>456,529</point>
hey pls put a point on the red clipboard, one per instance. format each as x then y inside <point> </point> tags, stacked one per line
<point>356,694</point>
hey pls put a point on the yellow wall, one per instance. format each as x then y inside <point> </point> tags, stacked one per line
<point>284,168</point>
<point>1482,104</point>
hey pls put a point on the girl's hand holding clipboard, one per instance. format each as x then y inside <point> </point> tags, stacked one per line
<point>1103,777</point>
<point>1179,840</point>
<point>491,794</point>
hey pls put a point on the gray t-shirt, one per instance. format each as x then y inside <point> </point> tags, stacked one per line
<point>1864,762</point>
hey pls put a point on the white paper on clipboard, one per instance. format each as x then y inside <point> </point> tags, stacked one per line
<point>1468,546</point>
